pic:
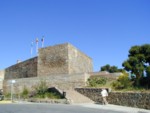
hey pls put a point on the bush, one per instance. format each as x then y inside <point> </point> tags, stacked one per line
<point>123,82</point>
<point>96,81</point>
<point>25,93</point>
<point>7,95</point>
<point>41,89</point>
<point>52,95</point>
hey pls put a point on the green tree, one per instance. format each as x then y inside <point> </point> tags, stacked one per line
<point>113,69</point>
<point>110,69</point>
<point>138,62</point>
<point>105,68</point>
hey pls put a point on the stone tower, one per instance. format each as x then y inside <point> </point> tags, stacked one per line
<point>63,59</point>
<point>62,66</point>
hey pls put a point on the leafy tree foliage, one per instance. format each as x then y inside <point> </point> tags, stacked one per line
<point>110,69</point>
<point>123,82</point>
<point>138,62</point>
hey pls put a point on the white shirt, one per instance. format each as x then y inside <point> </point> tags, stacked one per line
<point>104,93</point>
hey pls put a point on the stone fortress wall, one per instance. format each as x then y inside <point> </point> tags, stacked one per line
<point>53,60</point>
<point>54,63</point>
<point>65,67</point>
<point>60,81</point>
<point>63,59</point>
<point>78,61</point>
<point>1,78</point>
<point>24,69</point>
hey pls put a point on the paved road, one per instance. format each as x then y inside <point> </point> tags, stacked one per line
<point>62,108</point>
<point>49,108</point>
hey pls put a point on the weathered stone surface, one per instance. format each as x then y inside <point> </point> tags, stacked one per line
<point>24,69</point>
<point>61,66</point>
<point>132,99</point>
<point>62,59</point>
<point>2,72</point>
<point>53,60</point>
<point>104,74</point>
<point>60,81</point>
<point>78,61</point>
<point>58,59</point>
<point>92,93</point>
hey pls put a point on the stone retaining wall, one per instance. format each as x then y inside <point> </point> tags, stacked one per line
<point>61,81</point>
<point>131,99</point>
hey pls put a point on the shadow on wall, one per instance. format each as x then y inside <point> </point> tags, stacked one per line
<point>24,69</point>
<point>56,91</point>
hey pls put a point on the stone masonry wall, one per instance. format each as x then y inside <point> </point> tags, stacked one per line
<point>24,69</point>
<point>53,60</point>
<point>2,72</point>
<point>62,59</point>
<point>131,99</point>
<point>61,81</point>
<point>58,59</point>
<point>61,65</point>
<point>78,61</point>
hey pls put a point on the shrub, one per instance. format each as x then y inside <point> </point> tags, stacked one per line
<point>7,95</point>
<point>52,95</point>
<point>41,89</point>
<point>123,82</point>
<point>96,81</point>
<point>25,92</point>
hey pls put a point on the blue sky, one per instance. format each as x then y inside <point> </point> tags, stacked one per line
<point>105,30</point>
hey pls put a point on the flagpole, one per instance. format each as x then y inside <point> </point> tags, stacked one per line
<point>31,48</point>
<point>37,41</point>
<point>42,41</point>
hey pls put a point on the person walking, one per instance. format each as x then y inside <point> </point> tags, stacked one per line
<point>104,94</point>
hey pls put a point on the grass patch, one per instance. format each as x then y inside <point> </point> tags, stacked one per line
<point>5,102</point>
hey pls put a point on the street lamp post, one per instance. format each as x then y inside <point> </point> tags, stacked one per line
<point>12,82</point>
